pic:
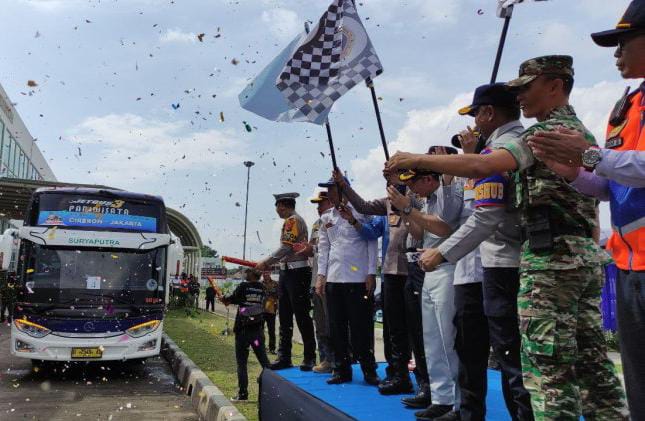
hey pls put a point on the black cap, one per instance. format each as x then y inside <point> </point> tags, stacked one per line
<point>633,21</point>
<point>496,94</point>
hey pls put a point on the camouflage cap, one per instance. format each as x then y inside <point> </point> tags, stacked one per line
<point>545,65</point>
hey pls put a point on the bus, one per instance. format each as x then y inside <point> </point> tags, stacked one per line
<point>91,276</point>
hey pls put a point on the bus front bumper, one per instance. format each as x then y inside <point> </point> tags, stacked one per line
<point>58,348</point>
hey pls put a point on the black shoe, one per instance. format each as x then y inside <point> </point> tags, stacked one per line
<point>241,397</point>
<point>280,365</point>
<point>307,365</point>
<point>432,412</point>
<point>421,400</point>
<point>371,378</point>
<point>338,378</point>
<point>450,416</point>
<point>397,386</point>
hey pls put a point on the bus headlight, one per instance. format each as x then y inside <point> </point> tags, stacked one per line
<point>30,328</point>
<point>142,329</point>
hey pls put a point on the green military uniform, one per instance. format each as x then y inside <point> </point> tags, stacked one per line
<point>564,355</point>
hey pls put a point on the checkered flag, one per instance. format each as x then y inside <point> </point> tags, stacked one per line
<point>336,56</point>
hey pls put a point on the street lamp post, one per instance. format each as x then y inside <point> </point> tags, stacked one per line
<point>248,165</point>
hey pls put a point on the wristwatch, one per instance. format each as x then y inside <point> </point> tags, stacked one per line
<point>591,157</point>
<point>407,210</point>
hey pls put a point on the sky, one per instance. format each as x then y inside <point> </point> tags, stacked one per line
<point>110,74</point>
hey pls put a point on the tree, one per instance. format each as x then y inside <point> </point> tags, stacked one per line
<point>208,252</point>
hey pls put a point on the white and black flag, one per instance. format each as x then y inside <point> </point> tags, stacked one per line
<point>333,58</point>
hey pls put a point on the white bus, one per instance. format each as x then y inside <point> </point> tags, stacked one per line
<point>91,276</point>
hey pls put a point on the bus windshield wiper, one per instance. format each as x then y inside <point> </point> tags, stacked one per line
<point>116,299</point>
<point>40,308</point>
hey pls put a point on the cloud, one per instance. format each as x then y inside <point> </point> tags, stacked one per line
<point>433,11</point>
<point>129,146</point>
<point>425,127</point>
<point>282,23</point>
<point>176,35</point>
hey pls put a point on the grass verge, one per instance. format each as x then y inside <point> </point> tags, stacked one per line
<point>199,336</point>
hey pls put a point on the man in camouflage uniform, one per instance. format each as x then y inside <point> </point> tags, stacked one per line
<point>564,356</point>
<point>293,284</point>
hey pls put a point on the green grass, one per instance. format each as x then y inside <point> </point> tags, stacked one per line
<point>200,337</point>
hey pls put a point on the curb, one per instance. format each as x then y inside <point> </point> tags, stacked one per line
<point>209,402</point>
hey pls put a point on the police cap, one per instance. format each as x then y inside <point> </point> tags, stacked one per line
<point>632,22</point>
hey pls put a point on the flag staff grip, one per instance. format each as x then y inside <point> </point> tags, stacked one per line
<point>370,84</point>
<point>508,13</point>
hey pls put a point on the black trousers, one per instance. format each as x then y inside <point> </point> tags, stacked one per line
<point>501,286</point>
<point>472,347</point>
<point>412,295</point>
<point>394,312</point>
<point>269,318</point>
<point>210,302</point>
<point>630,303</point>
<point>250,336</point>
<point>347,309</point>
<point>293,291</point>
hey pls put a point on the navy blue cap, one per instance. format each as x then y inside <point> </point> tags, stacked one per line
<point>331,182</point>
<point>496,94</point>
<point>633,21</point>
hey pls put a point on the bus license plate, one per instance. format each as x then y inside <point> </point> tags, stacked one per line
<point>87,353</point>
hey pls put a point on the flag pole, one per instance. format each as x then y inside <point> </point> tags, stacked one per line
<point>506,13</point>
<point>370,84</point>
<point>330,139</point>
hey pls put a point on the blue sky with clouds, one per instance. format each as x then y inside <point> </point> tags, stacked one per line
<point>108,72</point>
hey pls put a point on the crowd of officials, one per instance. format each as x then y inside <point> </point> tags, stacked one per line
<point>491,250</point>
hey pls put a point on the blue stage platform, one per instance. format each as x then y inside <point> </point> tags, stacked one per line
<point>362,402</point>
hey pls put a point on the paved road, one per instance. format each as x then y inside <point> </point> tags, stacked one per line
<point>96,391</point>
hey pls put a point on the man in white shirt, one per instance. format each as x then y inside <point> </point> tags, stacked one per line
<point>347,276</point>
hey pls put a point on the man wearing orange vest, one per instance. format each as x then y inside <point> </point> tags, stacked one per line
<point>617,174</point>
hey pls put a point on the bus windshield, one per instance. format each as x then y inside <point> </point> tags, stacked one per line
<point>90,276</point>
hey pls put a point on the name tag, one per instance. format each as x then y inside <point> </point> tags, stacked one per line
<point>614,142</point>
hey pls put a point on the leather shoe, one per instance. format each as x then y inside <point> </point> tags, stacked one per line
<point>450,416</point>
<point>338,378</point>
<point>422,399</point>
<point>371,378</point>
<point>432,412</point>
<point>397,386</point>
<point>280,365</point>
<point>307,365</point>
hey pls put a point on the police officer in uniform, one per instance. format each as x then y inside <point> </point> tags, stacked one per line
<point>617,173</point>
<point>293,284</point>
<point>496,226</point>
<point>564,356</point>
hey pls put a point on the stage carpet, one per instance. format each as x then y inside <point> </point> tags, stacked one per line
<point>295,395</point>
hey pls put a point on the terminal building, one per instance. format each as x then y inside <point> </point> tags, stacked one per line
<point>23,168</point>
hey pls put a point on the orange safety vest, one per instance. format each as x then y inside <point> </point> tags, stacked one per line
<point>627,243</point>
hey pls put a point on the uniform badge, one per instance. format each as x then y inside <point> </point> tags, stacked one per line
<point>614,139</point>
<point>394,220</point>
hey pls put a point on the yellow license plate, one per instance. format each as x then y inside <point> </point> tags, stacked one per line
<point>87,353</point>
